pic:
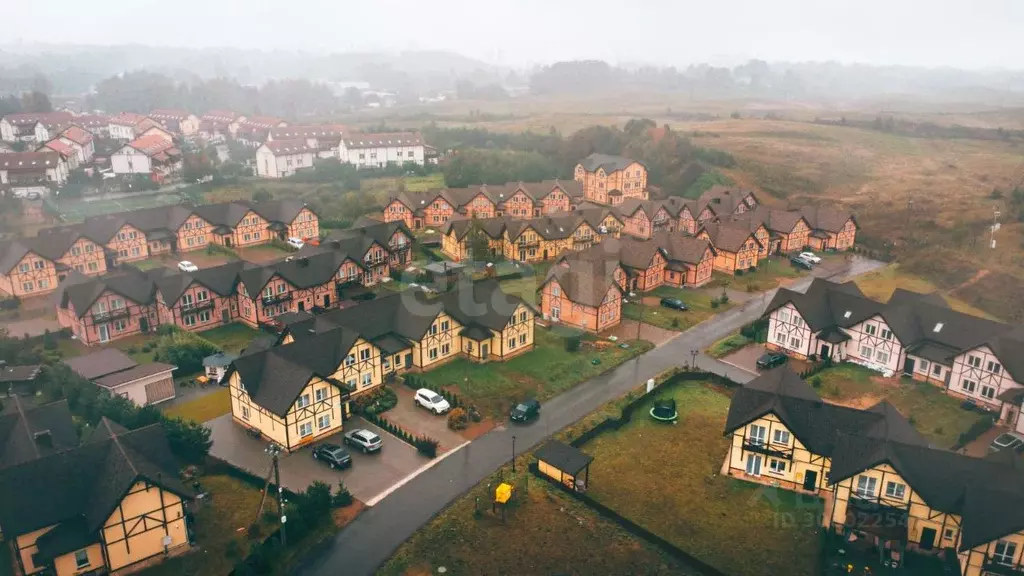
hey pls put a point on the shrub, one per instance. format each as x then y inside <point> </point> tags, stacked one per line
<point>270,517</point>
<point>977,429</point>
<point>184,350</point>
<point>739,272</point>
<point>572,343</point>
<point>233,549</point>
<point>675,322</point>
<point>253,531</point>
<point>724,298</point>
<point>342,497</point>
<point>49,340</point>
<point>458,419</point>
<point>816,381</point>
<point>132,350</point>
<point>426,446</point>
<point>714,303</point>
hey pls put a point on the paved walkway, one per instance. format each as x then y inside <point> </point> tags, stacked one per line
<point>371,539</point>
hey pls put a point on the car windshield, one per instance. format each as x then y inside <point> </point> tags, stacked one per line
<point>370,437</point>
<point>522,408</point>
<point>433,398</point>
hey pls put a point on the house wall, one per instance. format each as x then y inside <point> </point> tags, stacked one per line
<point>556,201</point>
<point>135,530</point>
<point>788,332</point>
<point>193,234</point>
<point>396,211</point>
<point>979,374</point>
<point>128,160</point>
<point>437,213</point>
<point>638,224</point>
<point>929,371</point>
<point>480,207</point>
<point>67,565</point>
<point>557,307</point>
<point>873,341</point>
<point>728,262</point>
<point>306,225</point>
<point>378,157</point>
<point>250,231</point>
<point>793,456</point>
<point>86,257</point>
<point>653,276</point>
<point>972,561</point>
<point>31,276</point>
<point>519,205</point>
<point>119,315</point>
<point>455,249</point>
<point>136,391</point>
<point>797,239</point>
<point>632,182</point>
<point>129,243</point>
<point>200,308</point>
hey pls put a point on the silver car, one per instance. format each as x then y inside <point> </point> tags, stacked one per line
<point>364,440</point>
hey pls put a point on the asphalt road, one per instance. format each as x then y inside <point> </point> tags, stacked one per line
<point>365,544</point>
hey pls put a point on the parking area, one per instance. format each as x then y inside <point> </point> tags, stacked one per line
<point>746,357</point>
<point>419,421</point>
<point>626,329</point>
<point>370,475</point>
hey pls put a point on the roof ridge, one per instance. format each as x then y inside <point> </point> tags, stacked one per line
<point>28,430</point>
<point>117,442</point>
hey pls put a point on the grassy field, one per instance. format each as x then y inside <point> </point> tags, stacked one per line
<point>728,345</point>
<point>232,337</point>
<point>76,210</point>
<point>881,283</point>
<point>770,273</point>
<point>412,183</point>
<point>937,416</point>
<point>665,478</point>
<point>669,318</point>
<point>204,408</point>
<point>541,373</point>
<point>218,521</point>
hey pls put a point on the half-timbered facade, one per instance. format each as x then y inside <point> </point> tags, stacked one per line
<point>736,246</point>
<point>831,229</point>
<point>108,308</point>
<point>611,179</point>
<point>585,293</point>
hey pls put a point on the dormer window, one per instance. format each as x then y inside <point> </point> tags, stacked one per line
<point>847,314</point>
<point>938,327</point>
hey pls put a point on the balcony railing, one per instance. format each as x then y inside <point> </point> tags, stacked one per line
<point>376,261</point>
<point>197,306</point>
<point>991,566</point>
<point>767,449</point>
<point>110,315</point>
<point>583,239</point>
<point>528,244</point>
<point>276,298</point>
<point>349,281</point>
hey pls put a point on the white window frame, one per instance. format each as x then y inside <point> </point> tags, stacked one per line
<point>305,429</point>
<point>780,436</point>
<point>302,401</point>
<point>324,421</point>
<point>82,563</point>
<point>1004,553</point>
<point>320,394</point>
<point>895,490</point>
<point>867,487</point>
<point>777,466</point>
<point>757,434</point>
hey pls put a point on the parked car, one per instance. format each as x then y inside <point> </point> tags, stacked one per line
<point>296,243</point>
<point>1007,441</point>
<point>674,303</point>
<point>801,263</point>
<point>431,401</point>
<point>525,411</point>
<point>333,455</point>
<point>186,266</point>
<point>771,360</point>
<point>364,440</point>
<point>810,257</point>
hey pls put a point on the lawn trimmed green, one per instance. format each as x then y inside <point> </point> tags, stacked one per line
<point>204,408</point>
<point>770,273</point>
<point>669,318</point>
<point>666,478</point>
<point>935,415</point>
<point>543,372</point>
<point>728,345</point>
<point>231,338</point>
<point>525,288</point>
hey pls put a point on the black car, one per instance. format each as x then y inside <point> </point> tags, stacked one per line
<point>799,262</point>
<point>525,411</point>
<point>335,456</point>
<point>674,303</point>
<point>771,360</point>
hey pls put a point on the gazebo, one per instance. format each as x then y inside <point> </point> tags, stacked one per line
<point>564,464</point>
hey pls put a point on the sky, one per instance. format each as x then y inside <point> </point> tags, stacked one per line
<point>957,33</point>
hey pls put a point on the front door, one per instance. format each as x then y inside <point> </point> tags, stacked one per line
<point>754,464</point>
<point>408,360</point>
<point>826,352</point>
<point>225,316</point>
<point>227,241</point>
<point>545,253</point>
<point>908,366</point>
<point>104,332</point>
<point>327,301</point>
<point>927,538</point>
<point>484,349</point>
<point>143,324</point>
<point>302,306</point>
<point>522,255</point>
<point>811,480</point>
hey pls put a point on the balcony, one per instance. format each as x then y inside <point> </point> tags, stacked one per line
<point>197,306</point>
<point>277,298</point>
<point>530,244</point>
<point>110,315</point>
<point>991,566</point>
<point>583,240</point>
<point>376,261</point>
<point>349,281</point>
<point>767,449</point>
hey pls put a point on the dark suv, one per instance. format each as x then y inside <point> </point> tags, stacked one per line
<point>674,303</point>
<point>771,360</point>
<point>333,455</point>
<point>525,411</point>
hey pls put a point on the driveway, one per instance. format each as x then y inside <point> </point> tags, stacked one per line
<point>362,546</point>
<point>746,357</point>
<point>626,330</point>
<point>421,422</point>
<point>370,476</point>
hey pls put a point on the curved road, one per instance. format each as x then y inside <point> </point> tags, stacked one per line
<point>365,544</point>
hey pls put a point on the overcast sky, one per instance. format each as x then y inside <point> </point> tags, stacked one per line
<point>961,33</point>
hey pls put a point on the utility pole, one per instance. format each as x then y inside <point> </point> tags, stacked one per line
<point>995,227</point>
<point>693,359</point>
<point>513,454</point>
<point>274,451</point>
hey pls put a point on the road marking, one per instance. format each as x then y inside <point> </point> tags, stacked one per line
<point>417,472</point>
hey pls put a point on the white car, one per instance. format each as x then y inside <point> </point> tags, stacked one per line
<point>810,257</point>
<point>186,266</point>
<point>432,401</point>
<point>296,243</point>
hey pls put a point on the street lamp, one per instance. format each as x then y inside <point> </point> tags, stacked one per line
<point>693,359</point>
<point>274,450</point>
<point>513,454</point>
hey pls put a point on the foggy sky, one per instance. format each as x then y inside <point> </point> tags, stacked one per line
<point>960,33</point>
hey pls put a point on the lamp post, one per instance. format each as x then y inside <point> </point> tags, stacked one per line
<point>693,359</point>
<point>513,454</point>
<point>274,450</point>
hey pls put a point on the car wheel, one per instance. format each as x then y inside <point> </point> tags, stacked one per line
<point>331,464</point>
<point>366,450</point>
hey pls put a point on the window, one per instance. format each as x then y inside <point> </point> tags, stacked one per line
<point>445,349</point>
<point>968,385</point>
<point>93,266</point>
<point>511,343</point>
<point>871,329</point>
<point>324,422</point>
<point>24,267</point>
<point>350,359</point>
<point>796,343</point>
<point>364,354</point>
<point>1005,551</point>
<point>76,251</point>
<point>320,394</point>
<point>988,392</point>
<point>433,328</point>
<point>886,334</point>
<point>410,154</point>
<point>780,337</point>
<point>556,291</point>
<point>780,437</point>
<point>245,413</point>
<point>367,379</point>
<point>784,315</point>
<point>882,356</point>
<point>923,366</point>
<point>44,283</point>
<point>895,489</point>
<point>39,264</point>
<point>120,326</point>
<point>867,352</point>
<point>306,429</point>
<point>866,486</point>
<point>974,361</point>
<point>948,534</point>
<point>994,367</point>
<point>81,559</point>
<point>89,248</point>
<point>303,401</point>
<point>777,466</point>
<point>936,369</point>
<point>432,354</point>
<point>282,288</point>
<point>202,295</point>
<point>135,251</point>
<point>757,434</point>
<point>522,338</point>
<point>444,325</point>
<point>190,320</point>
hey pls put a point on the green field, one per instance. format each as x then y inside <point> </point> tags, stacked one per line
<point>76,210</point>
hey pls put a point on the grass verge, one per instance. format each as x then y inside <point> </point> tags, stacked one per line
<point>728,345</point>
<point>668,318</point>
<point>204,408</point>
<point>231,338</point>
<point>770,273</point>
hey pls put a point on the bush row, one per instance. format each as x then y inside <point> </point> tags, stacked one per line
<point>424,444</point>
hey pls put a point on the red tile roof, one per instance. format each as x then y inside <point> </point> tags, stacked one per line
<point>127,119</point>
<point>262,122</point>
<point>92,120</point>
<point>151,145</point>
<point>383,140</point>
<point>77,135</point>
<point>30,118</point>
<point>221,116</point>
<point>291,132</point>
<point>168,114</point>
<point>60,147</point>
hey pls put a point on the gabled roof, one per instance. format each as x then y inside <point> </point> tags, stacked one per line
<point>169,114</point>
<point>59,147</point>
<point>31,118</point>
<point>606,161</point>
<point>28,161</point>
<point>84,485</point>
<point>632,253</point>
<point>383,140</point>
<point>827,219</point>
<point>151,145</point>
<point>101,363</point>
<point>77,135</point>
<point>682,248</point>
<point>728,236</point>
<point>82,291</point>
<point>325,132</point>
<point>585,282</point>
<point>29,431</point>
<point>724,199</point>
<point>778,221</point>
<point>221,280</point>
<point>288,147</point>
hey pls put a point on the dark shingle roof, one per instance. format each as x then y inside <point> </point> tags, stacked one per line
<point>28,431</point>
<point>563,457</point>
<point>681,248</point>
<point>728,236</point>
<point>607,161</point>
<point>132,374</point>
<point>13,374</point>
<point>585,282</point>
<point>101,363</point>
<point>827,219</point>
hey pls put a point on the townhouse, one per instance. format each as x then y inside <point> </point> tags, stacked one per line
<point>129,126</point>
<point>81,140</point>
<point>669,258</point>
<point>243,223</point>
<point>253,131</point>
<point>326,139</point>
<point>114,504</point>
<point>22,126</point>
<point>282,158</point>
<point>152,155</point>
<point>198,300</point>
<point>514,199</point>
<point>778,230</point>
<point>880,479</point>
<point>379,247</point>
<point>67,153</point>
<point>300,390</point>
<point>48,129</point>
<point>458,238</point>
<point>610,180</point>
<point>96,124</point>
<point>379,150</point>
<point>831,229</point>
<point>689,260</point>
<point>21,169</point>
<point>35,266</point>
<point>98,310</point>
<point>218,125</point>
<point>913,334</point>
<point>725,201</point>
<point>644,218</point>
<point>584,293</point>
<point>177,121</point>
<point>737,248</point>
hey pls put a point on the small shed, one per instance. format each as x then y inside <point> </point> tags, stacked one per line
<point>216,365</point>
<point>564,464</point>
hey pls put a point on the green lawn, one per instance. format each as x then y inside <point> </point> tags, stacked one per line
<point>937,416</point>
<point>768,275</point>
<point>525,288</point>
<point>668,318</point>
<point>204,408</point>
<point>217,523</point>
<point>232,337</point>
<point>728,345</point>
<point>666,478</point>
<point>543,372</point>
